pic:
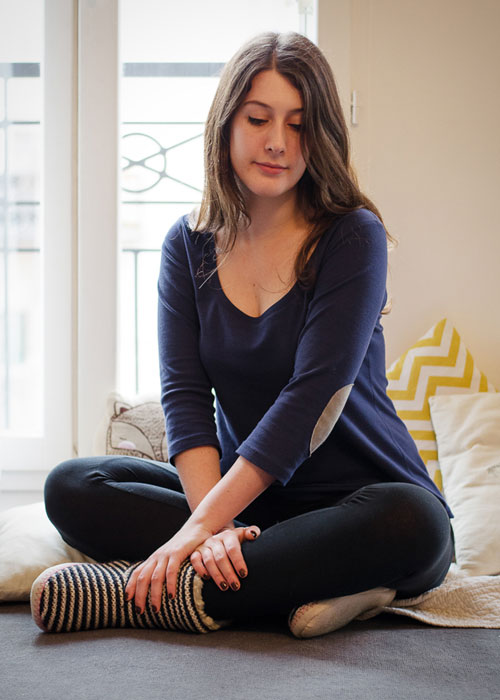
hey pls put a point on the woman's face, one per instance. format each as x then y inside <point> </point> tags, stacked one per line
<point>265,146</point>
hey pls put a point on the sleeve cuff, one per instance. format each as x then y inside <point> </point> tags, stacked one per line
<point>281,473</point>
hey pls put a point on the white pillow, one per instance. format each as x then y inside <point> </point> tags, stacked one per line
<point>29,544</point>
<point>467,430</point>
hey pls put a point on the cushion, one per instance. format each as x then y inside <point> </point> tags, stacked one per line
<point>134,427</point>
<point>468,438</point>
<point>438,363</point>
<point>29,544</point>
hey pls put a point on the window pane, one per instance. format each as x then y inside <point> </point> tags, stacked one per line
<point>21,339</point>
<point>24,227</point>
<point>2,98</point>
<point>164,98</point>
<point>24,94</point>
<point>147,296</point>
<point>169,78</point>
<point>23,329</point>
<point>197,30</point>
<point>23,145</point>
<point>2,158</point>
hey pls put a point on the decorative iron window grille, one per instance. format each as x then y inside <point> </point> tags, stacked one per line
<point>152,153</point>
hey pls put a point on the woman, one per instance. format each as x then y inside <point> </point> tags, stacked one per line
<point>307,487</point>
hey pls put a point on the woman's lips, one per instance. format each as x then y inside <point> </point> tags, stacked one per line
<point>270,168</point>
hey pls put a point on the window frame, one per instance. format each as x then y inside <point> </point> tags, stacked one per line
<point>98,202</point>
<point>27,460</point>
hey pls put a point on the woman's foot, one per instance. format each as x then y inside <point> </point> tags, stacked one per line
<point>74,597</point>
<point>323,616</point>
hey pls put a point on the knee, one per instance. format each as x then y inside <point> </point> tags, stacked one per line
<point>62,476</point>
<point>412,515</point>
<point>64,483</point>
<point>55,489</point>
<point>406,502</point>
<point>417,508</point>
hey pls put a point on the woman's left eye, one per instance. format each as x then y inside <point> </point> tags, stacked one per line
<point>256,122</point>
<point>259,122</point>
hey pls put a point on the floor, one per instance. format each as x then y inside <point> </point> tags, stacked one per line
<point>388,657</point>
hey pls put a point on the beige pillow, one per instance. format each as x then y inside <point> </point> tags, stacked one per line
<point>467,431</point>
<point>29,544</point>
<point>133,427</point>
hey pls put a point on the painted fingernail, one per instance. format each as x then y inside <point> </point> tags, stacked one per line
<point>155,609</point>
<point>223,585</point>
<point>243,573</point>
<point>253,533</point>
<point>170,596</point>
<point>235,586</point>
<point>206,577</point>
<point>138,610</point>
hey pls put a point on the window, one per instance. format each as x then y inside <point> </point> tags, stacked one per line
<point>20,225</point>
<point>35,240</point>
<point>169,76</point>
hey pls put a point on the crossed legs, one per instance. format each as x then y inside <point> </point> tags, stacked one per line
<point>392,535</point>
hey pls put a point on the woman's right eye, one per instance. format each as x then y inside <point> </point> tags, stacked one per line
<point>256,122</point>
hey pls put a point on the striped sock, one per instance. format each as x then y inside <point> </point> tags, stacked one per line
<point>74,597</point>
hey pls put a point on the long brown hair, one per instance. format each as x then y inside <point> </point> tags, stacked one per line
<point>329,185</point>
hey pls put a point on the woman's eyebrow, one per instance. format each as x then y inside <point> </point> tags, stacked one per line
<point>263,104</point>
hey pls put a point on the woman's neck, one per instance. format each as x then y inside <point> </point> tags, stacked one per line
<point>271,218</point>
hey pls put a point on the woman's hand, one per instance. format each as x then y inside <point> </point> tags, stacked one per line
<point>163,566</point>
<point>220,557</point>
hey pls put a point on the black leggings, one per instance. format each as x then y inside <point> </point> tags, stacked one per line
<point>396,535</point>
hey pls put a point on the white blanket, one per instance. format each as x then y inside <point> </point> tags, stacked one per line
<point>460,601</point>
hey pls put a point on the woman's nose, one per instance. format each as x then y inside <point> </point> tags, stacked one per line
<point>276,139</point>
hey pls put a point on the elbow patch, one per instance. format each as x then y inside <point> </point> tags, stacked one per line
<point>329,417</point>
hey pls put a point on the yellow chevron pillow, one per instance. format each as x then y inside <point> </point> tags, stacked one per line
<point>438,363</point>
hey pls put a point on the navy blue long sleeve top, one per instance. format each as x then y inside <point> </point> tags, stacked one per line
<point>300,391</point>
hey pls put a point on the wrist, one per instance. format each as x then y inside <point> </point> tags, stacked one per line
<point>197,527</point>
<point>203,523</point>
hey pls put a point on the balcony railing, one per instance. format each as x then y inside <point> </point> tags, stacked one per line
<point>162,178</point>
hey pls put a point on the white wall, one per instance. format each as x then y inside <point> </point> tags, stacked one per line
<point>427,151</point>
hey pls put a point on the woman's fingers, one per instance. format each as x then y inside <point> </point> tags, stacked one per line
<point>218,566</point>
<point>236,559</point>
<point>162,567</point>
<point>156,584</point>
<point>150,577</point>
<point>219,558</point>
<point>130,587</point>
<point>142,583</point>
<point>197,564</point>
<point>252,532</point>
<point>173,565</point>
<point>235,553</point>
<point>222,558</point>
<point>227,554</point>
